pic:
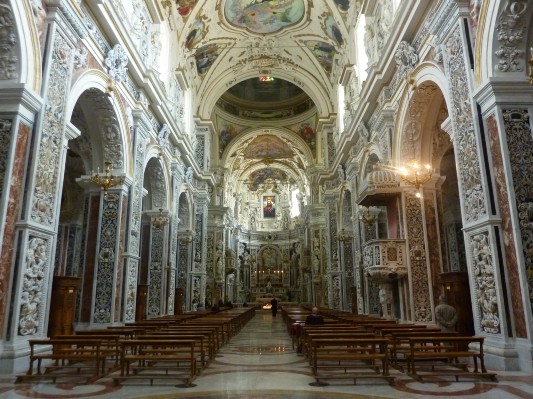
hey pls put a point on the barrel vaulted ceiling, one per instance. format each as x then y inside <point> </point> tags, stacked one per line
<point>265,75</point>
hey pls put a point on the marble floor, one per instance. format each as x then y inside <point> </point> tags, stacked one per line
<point>259,363</point>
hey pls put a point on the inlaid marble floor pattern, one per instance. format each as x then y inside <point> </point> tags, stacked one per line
<point>259,363</point>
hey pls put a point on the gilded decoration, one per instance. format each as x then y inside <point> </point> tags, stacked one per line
<point>465,143</point>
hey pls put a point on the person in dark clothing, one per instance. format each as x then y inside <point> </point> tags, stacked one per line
<point>274,303</point>
<point>314,318</point>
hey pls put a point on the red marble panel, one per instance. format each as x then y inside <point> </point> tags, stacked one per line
<point>90,259</point>
<point>13,209</point>
<point>511,260</point>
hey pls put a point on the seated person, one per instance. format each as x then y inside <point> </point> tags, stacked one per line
<point>314,318</point>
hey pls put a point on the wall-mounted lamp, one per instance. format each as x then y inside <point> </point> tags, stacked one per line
<point>106,180</point>
<point>160,220</point>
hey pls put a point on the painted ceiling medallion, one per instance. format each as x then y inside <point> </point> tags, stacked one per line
<point>264,16</point>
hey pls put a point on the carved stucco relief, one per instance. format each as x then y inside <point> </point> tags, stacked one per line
<point>8,43</point>
<point>50,144</point>
<point>107,257</point>
<point>484,278</point>
<point>510,32</point>
<point>465,143</point>
<point>34,283</point>
<point>156,272</point>
<point>417,254</point>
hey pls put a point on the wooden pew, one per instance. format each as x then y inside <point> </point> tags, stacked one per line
<point>202,343</point>
<point>73,357</point>
<point>354,358</point>
<point>155,359</point>
<point>441,355</point>
<point>399,343</point>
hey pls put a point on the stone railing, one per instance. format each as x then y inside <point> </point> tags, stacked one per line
<point>384,259</point>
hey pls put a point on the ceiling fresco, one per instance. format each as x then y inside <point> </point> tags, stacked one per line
<point>185,7</point>
<point>306,130</point>
<point>196,34</point>
<point>264,16</point>
<point>268,147</point>
<point>263,175</point>
<point>228,131</point>
<point>323,52</point>
<point>206,56</point>
<point>270,67</point>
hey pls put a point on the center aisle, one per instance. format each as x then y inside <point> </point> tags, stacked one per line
<point>259,363</point>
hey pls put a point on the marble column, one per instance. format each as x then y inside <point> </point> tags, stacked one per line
<point>197,273</point>
<point>131,255</point>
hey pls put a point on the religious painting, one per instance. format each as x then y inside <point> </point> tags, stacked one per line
<point>185,7</point>
<point>264,16</point>
<point>227,132</point>
<point>269,206</point>
<point>306,130</point>
<point>206,56</point>
<point>267,146</point>
<point>196,34</point>
<point>260,176</point>
<point>324,53</point>
<point>333,31</point>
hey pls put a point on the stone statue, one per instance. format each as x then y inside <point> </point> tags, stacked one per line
<point>445,315</point>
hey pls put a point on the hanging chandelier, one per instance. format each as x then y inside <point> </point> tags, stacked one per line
<point>367,218</point>
<point>106,180</point>
<point>187,237</point>
<point>343,237</point>
<point>416,175</point>
<point>160,220</point>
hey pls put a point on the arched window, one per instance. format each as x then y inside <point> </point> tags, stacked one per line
<point>341,109</point>
<point>362,59</point>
